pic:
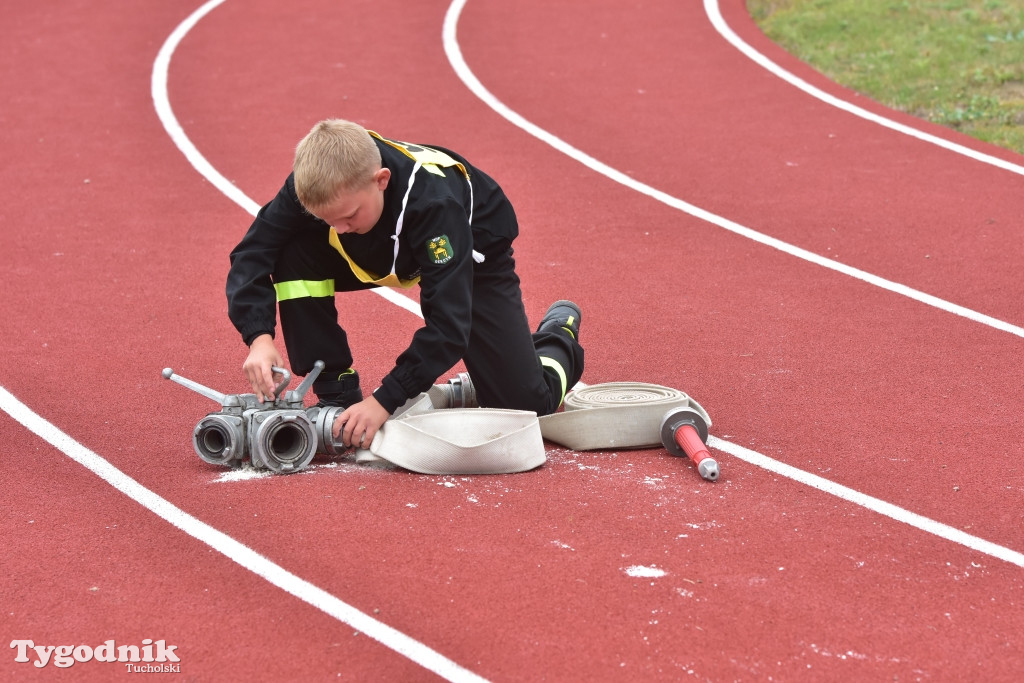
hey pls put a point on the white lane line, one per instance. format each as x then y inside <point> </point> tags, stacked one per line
<point>939,529</point>
<point>454,52</point>
<point>158,90</point>
<point>458,63</point>
<point>162,104</point>
<point>711,8</point>
<point>232,549</point>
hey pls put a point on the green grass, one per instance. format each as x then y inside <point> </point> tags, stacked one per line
<point>959,63</point>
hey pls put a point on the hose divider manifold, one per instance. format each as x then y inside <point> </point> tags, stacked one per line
<point>279,435</point>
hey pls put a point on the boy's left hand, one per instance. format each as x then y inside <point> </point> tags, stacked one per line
<point>359,423</point>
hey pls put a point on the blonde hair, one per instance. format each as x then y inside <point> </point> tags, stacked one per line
<point>335,156</point>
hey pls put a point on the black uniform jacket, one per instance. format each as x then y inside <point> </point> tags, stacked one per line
<point>436,243</point>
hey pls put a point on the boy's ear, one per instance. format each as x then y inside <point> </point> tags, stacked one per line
<point>381,177</point>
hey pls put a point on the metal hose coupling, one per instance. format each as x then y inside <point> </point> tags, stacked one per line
<point>284,440</point>
<point>457,392</point>
<point>322,418</point>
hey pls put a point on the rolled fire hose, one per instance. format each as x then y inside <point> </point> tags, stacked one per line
<point>427,436</point>
<point>615,415</point>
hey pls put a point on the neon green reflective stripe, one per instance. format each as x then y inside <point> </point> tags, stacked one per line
<point>298,289</point>
<point>556,366</point>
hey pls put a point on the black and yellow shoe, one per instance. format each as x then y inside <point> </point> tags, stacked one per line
<point>562,314</point>
<point>338,389</point>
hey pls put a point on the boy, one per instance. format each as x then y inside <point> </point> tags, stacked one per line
<point>357,206</point>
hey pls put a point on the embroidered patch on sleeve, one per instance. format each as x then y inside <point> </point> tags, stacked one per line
<point>440,249</point>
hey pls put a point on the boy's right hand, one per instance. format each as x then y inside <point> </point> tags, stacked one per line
<point>263,355</point>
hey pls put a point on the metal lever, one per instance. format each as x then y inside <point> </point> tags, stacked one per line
<point>300,391</point>
<point>168,373</point>
<point>286,377</point>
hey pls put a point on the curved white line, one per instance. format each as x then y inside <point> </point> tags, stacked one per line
<point>458,63</point>
<point>711,8</point>
<point>162,104</point>
<point>161,101</point>
<point>454,52</point>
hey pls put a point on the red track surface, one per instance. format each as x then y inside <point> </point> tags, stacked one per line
<point>115,251</point>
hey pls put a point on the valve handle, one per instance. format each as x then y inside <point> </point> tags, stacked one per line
<point>306,383</point>
<point>286,377</point>
<point>168,373</point>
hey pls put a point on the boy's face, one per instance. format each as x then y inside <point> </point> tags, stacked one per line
<point>358,210</point>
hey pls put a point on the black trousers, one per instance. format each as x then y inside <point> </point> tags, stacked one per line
<point>511,367</point>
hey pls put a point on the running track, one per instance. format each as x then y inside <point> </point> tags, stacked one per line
<point>114,258</point>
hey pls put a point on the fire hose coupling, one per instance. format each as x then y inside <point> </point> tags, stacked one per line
<point>684,433</point>
<point>458,392</point>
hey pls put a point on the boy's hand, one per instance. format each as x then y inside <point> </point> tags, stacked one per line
<point>263,355</point>
<point>360,422</point>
